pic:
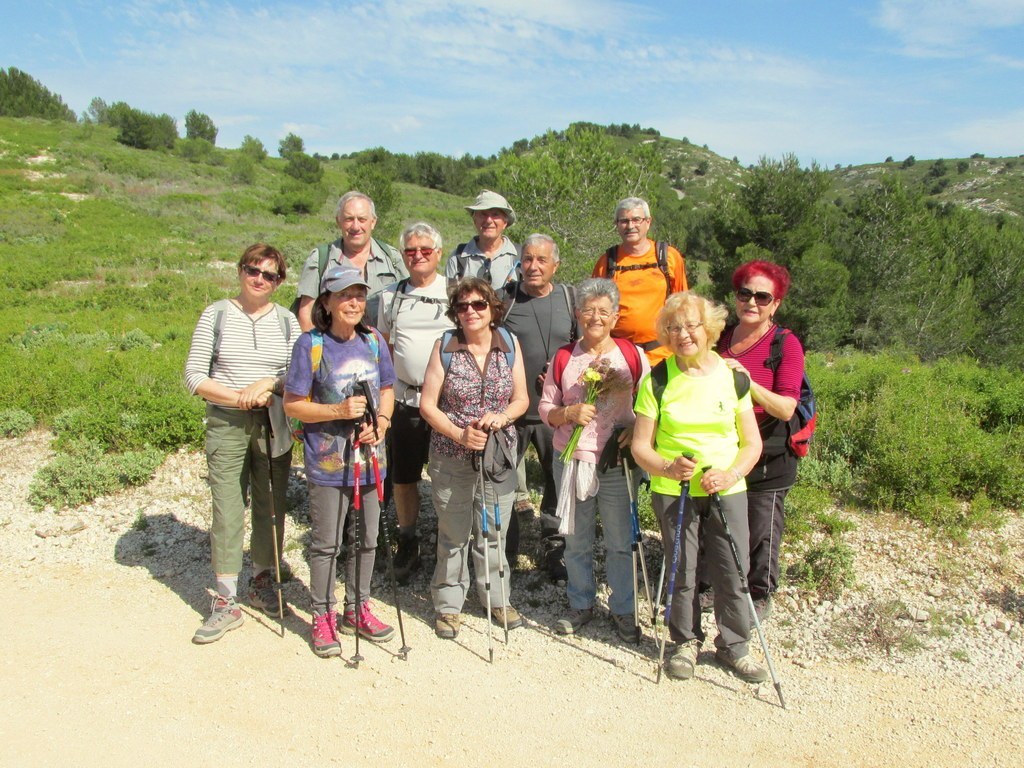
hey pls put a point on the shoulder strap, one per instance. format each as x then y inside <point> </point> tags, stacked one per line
<point>659,380</point>
<point>371,341</point>
<point>741,382</point>
<point>510,356</point>
<point>661,253</point>
<point>611,257</point>
<point>393,309</point>
<point>560,360</point>
<point>774,358</point>
<point>218,327</point>
<point>283,315</point>
<point>511,291</point>
<point>632,354</point>
<point>570,303</point>
<point>316,350</point>
<point>446,357</point>
<point>323,253</point>
<point>460,264</point>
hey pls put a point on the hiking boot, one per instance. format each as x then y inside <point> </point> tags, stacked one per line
<point>683,661</point>
<point>744,667</point>
<point>573,621</point>
<point>370,627</point>
<point>763,608</point>
<point>446,625</point>
<point>407,558</point>
<point>515,621</point>
<point>627,631</point>
<point>706,598</point>
<point>554,559</point>
<point>263,597</point>
<point>325,636</point>
<point>225,615</point>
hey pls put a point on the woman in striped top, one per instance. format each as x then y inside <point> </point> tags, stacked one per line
<point>240,351</point>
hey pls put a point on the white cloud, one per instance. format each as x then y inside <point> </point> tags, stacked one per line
<point>933,28</point>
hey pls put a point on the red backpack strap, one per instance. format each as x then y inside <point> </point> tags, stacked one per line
<point>560,360</point>
<point>630,351</point>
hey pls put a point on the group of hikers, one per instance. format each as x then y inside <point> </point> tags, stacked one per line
<point>389,364</point>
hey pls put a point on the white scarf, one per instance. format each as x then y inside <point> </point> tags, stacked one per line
<point>579,481</point>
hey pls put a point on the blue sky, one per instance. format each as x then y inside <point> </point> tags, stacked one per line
<point>833,82</point>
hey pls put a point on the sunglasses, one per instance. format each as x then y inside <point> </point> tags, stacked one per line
<point>414,251</point>
<point>761,298</point>
<point>464,306</point>
<point>251,271</point>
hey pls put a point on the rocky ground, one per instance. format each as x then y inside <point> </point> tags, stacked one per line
<point>921,662</point>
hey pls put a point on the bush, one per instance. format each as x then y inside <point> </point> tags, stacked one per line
<point>253,148</point>
<point>194,150</point>
<point>142,130</point>
<point>242,169</point>
<point>826,568</point>
<point>15,422</point>
<point>199,126</point>
<point>297,198</point>
<point>86,472</point>
<point>304,168</point>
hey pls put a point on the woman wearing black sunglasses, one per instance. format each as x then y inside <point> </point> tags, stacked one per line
<point>240,351</point>
<point>774,359</point>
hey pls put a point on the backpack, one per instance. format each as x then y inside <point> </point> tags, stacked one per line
<point>401,295</point>
<point>446,357</point>
<point>805,418</point>
<point>568,292</point>
<point>659,380</point>
<point>460,263</point>
<point>323,255</point>
<point>661,254</point>
<point>221,307</point>
<point>629,350</point>
<point>316,355</point>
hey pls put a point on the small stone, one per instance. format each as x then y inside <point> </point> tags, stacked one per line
<point>936,590</point>
<point>42,534</point>
<point>917,614</point>
<point>1002,625</point>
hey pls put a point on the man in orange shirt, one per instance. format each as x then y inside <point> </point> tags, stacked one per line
<point>645,272</point>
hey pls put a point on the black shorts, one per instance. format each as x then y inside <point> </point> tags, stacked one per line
<point>410,444</point>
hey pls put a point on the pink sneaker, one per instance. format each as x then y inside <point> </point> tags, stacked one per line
<point>370,626</point>
<point>325,638</point>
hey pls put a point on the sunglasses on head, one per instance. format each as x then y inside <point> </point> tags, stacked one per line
<point>251,271</point>
<point>464,306</point>
<point>761,298</point>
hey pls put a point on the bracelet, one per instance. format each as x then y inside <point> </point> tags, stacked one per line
<point>665,468</point>
<point>384,416</point>
<point>736,474</point>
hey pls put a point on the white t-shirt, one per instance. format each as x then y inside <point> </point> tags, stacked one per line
<point>413,321</point>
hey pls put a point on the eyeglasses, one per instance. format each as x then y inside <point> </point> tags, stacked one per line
<point>415,251</point>
<point>270,277</point>
<point>761,298</point>
<point>464,306</point>
<point>604,314</point>
<point>636,221</point>
<point>676,330</point>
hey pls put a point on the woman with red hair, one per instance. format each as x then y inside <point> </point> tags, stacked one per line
<point>774,359</point>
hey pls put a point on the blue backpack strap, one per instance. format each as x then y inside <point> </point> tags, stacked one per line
<point>510,342</point>
<point>446,357</point>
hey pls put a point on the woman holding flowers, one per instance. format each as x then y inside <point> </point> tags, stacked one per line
<point>588,400</point>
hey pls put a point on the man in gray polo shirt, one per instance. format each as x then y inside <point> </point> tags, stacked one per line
<point>412,317</point>
<point>540,313</point>
<point>490,255</point>
<point>379,264</point>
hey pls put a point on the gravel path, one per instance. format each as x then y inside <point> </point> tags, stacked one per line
<point>921,663</point>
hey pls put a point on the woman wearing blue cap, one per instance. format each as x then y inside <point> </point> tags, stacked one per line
<point>340,377</point>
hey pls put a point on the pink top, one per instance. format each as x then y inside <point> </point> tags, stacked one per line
<point>614,403</point>
<point>785,380</point>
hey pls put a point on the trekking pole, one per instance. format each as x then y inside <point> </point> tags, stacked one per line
<point>487,558</point>
<point>357,505</point>
<point>676,553</point>
<point>745,588</point>
<point>273,525</point>
<point>638,550</point>
<point>657,594</point>
<point>501,562</point>
<point>403,652</point>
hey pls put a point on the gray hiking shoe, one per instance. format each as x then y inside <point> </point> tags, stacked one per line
<point>574,620</point>
<point>625,628</point>
<point>681,664</point>
<point>262,596</point>
<point>744,667</point>
<point>225,615</point>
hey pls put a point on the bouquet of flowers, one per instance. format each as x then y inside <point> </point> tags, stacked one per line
<point>598,378</point>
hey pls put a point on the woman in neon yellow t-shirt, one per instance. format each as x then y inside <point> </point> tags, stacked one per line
<point>699,414</point>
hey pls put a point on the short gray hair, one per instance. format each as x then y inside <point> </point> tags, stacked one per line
<point>420,229</point>
<point>348,197</point>
<point>597,288</point>
<point>537,239</point>
<point>632,203</point>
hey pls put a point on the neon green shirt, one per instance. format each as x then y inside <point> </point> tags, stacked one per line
<point>699,416</point>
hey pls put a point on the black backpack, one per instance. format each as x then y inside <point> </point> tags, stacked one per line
<point>661,254</point>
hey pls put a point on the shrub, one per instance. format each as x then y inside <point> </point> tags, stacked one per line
<point>194,150</point>
<point>304,168</point>
<point>253,148</point>
<point>77,477</point>
<point>199,126</point>
<point>15,422</point>
<point>242,169</point>
<point>297,198</point>
<point>826,568</point>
